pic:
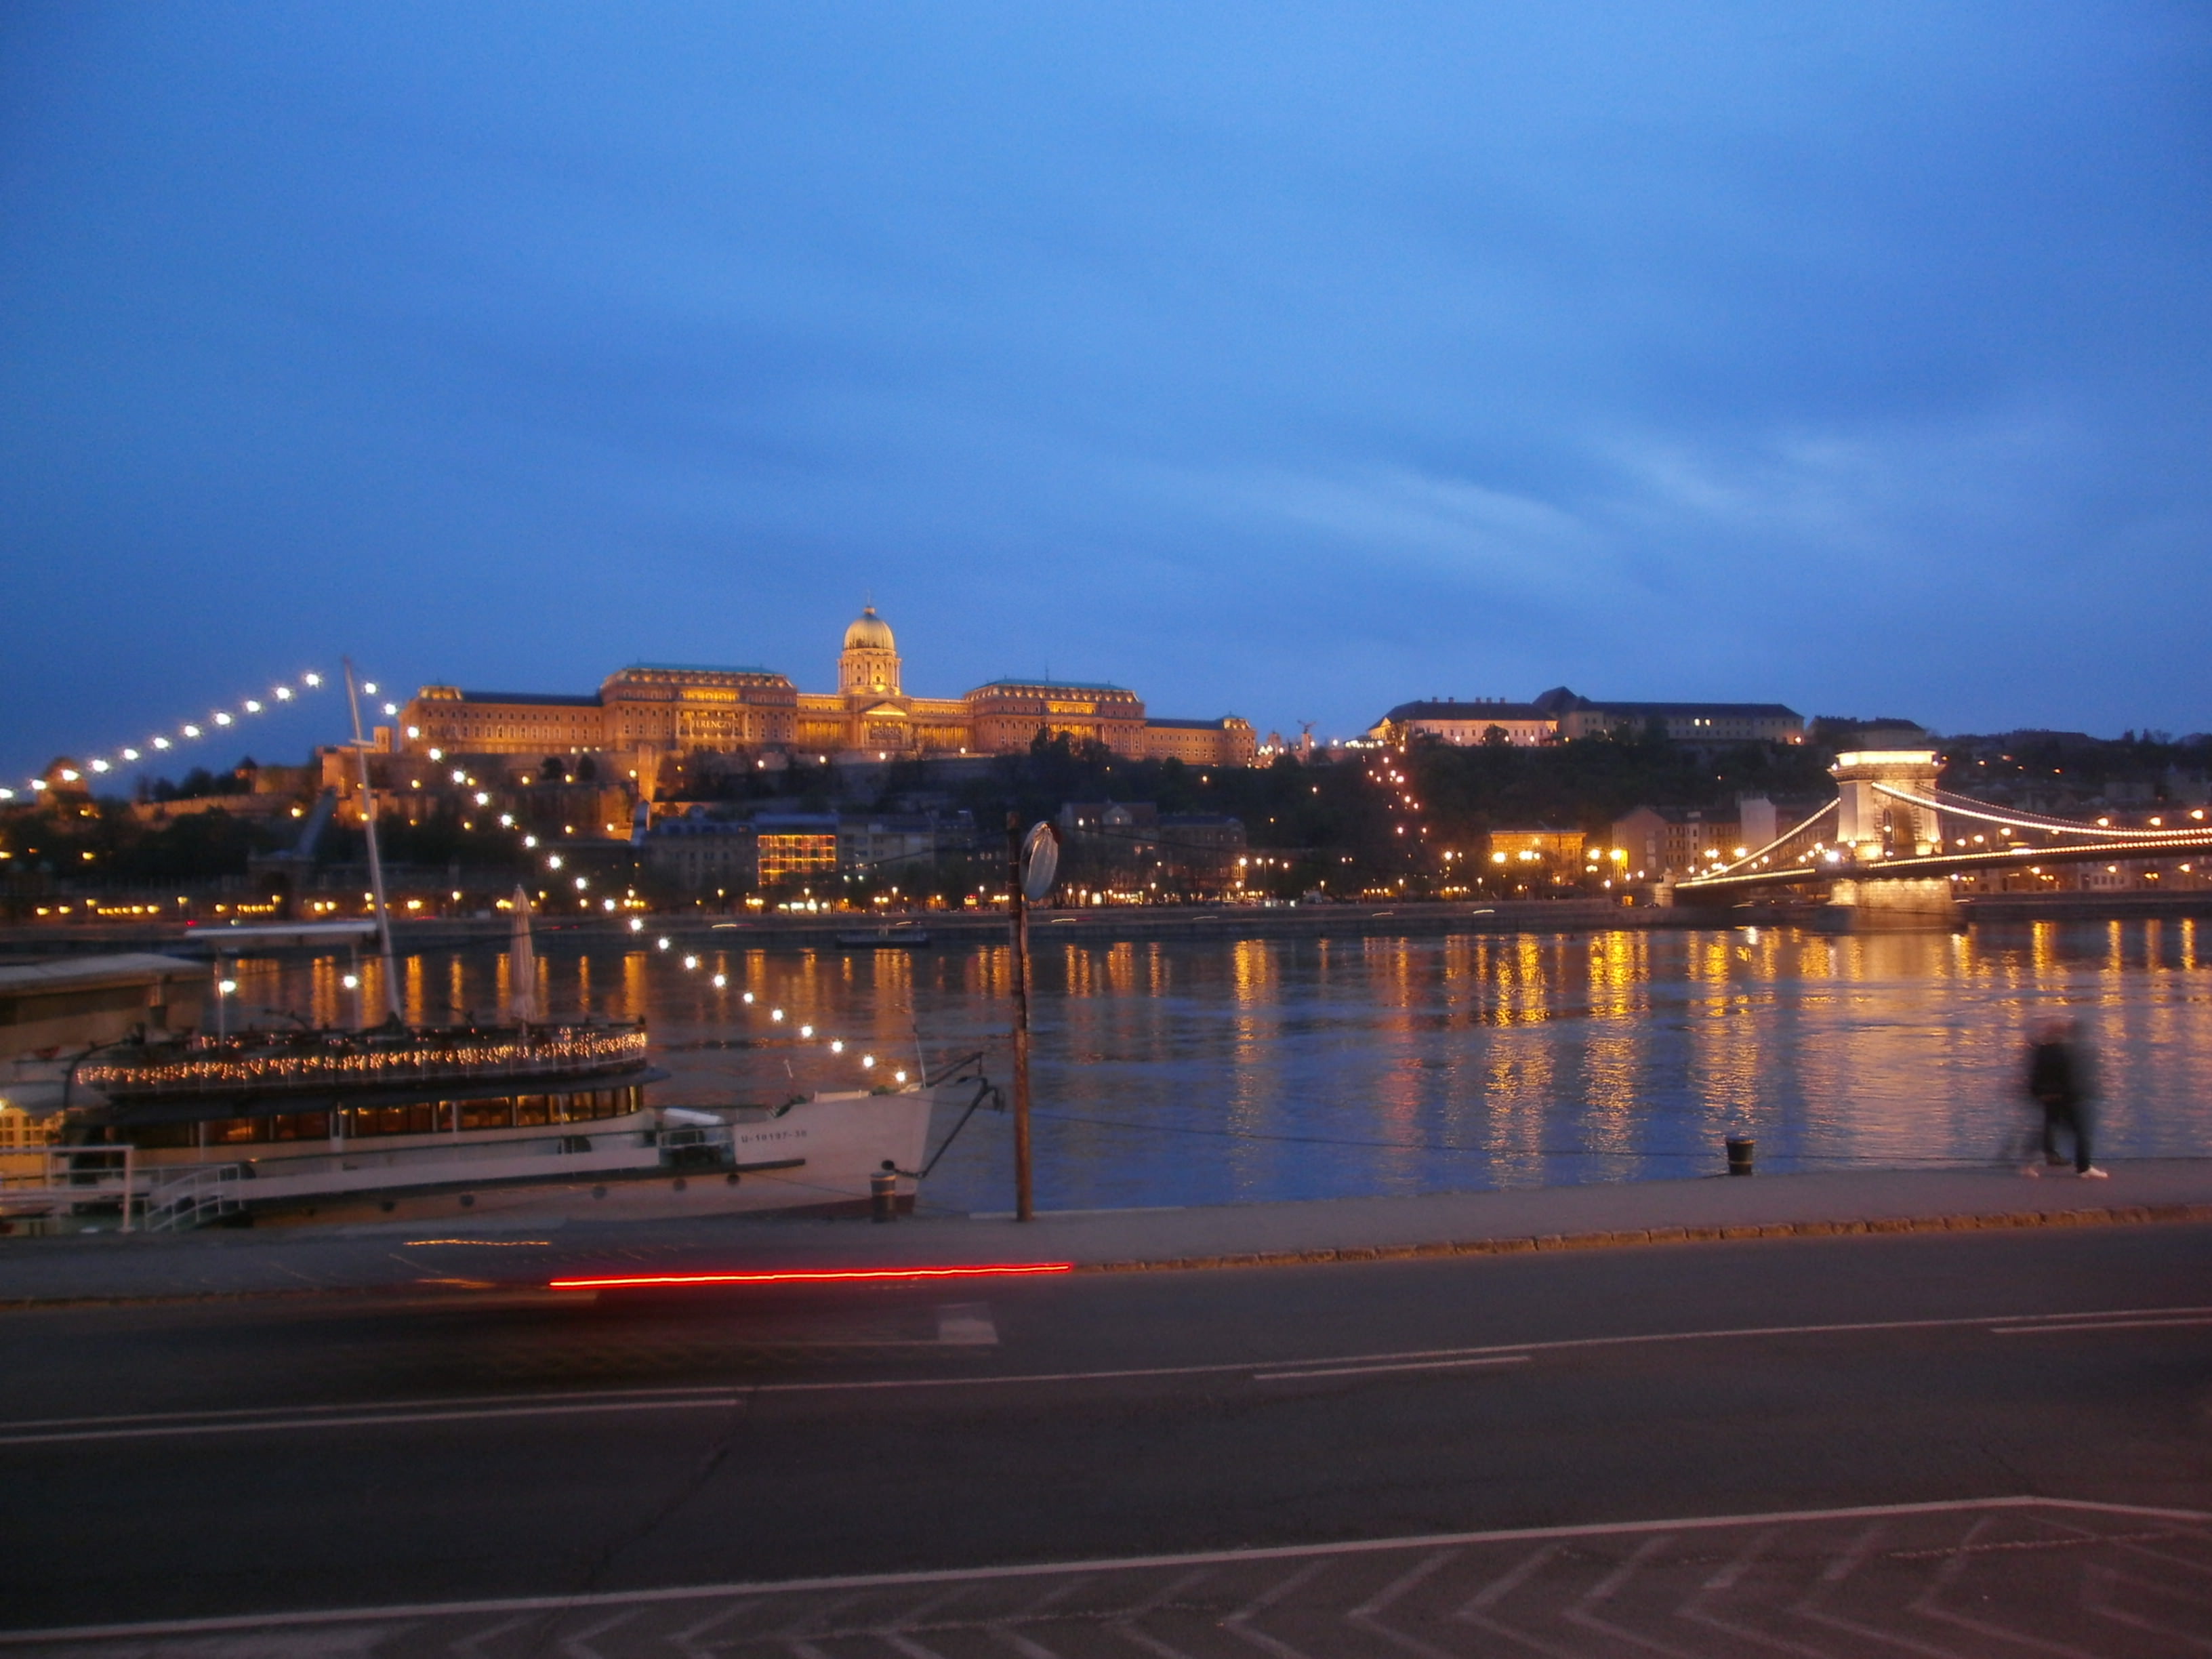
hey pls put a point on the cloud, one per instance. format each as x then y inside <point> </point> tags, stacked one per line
<point>1395,515</point>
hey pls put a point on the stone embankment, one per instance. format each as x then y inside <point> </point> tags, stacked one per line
<point>1116,924</point>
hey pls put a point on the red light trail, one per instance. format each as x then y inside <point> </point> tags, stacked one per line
<point>633,1281</point>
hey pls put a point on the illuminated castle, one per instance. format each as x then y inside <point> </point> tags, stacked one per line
<point>651,710</point>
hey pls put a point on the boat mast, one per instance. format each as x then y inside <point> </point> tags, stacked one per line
<point>375,863</point>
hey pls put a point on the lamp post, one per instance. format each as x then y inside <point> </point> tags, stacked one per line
<point>1032,861</point>
<point>375,862</point>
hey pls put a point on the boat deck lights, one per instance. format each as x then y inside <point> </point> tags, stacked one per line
<point>822,1276</point>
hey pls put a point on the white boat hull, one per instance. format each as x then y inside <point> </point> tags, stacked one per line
<point>817,1155</point>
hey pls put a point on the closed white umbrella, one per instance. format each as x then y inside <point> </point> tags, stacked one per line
<point>522,965</point>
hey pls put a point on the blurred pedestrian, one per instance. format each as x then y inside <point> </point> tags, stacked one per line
<point>2059,1081</point>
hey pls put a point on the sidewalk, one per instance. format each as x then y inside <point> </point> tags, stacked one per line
<point>513,1256</point>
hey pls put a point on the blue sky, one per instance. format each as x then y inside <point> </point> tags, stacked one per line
<point>1285,360</point>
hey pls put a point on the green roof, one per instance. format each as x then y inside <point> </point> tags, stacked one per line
<point>1044,683</point>
<point>695,668</point>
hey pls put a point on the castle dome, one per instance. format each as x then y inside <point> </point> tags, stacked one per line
<point>869,632</point>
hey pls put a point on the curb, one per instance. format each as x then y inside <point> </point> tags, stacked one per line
<point>2111,1216</point>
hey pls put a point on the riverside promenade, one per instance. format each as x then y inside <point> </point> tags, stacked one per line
<point>508,1256</point>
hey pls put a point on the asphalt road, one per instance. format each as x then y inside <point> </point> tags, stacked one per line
<point>248,1460</point>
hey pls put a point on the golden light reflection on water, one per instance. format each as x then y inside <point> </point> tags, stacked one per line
<point>1251,1069</point>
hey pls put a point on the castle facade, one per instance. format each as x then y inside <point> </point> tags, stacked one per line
<point>649,710</point>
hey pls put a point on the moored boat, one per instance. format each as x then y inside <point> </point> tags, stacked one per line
<point>413,1125</point>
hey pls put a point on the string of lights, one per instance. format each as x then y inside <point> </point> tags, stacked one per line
<point>1759,855</point>
<point>1962,806</point>
<point>788,1031</point>
<point>185,732</point>
<point>212,1064</point>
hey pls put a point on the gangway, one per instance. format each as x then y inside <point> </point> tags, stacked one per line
<point>197,1195</point>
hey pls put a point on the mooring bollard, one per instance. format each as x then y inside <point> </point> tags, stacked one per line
<point>1739,1152</point>
<point>883,1195</point>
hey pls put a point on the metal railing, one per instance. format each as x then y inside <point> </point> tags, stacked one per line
<point>202,1194</point>
<point>71,1179</point>
<point>204,1064</point>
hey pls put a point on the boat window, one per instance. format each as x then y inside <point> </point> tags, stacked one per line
<point>147,1135</point>
<point>533,1109</point>
<point>488,1113</point>
<point>230,1130</point>
<point>299,1126</point>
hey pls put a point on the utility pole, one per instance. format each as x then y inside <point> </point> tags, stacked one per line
<point>1023,1210</point>
<point>375,861</point>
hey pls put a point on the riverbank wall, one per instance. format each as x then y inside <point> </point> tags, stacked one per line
<point>1110,925</point>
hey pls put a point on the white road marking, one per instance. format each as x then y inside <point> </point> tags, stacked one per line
<point>1239,1623</point>
<point>377,1418</point>
<point>1126,1626</point>
<point>2096,1599</point>
<point>856,1584</point>
<point>1368,1613</point>
<point>2109,1313</point>
<point>1407,1365</point>
<point>1928,1604</point>
<point>2079,1326</point>
<point>1725,1580</point>
<point>966,1325</point>
<point>442,1404</point>
<point>148,1425</point>
<point>1477,1610</point>
<point>1584,1611</point>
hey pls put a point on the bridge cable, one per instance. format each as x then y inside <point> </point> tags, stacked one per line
<point>1753,858</point>
<point>2057,826</point>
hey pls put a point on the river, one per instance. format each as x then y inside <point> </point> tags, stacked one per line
<point>1225,1071</point>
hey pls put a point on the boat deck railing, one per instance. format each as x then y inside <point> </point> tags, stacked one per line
<point>364,1059</point>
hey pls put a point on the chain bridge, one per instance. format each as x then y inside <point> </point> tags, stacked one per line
<point>1891,849</point>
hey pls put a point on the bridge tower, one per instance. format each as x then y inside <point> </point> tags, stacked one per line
<point>1874,827</point>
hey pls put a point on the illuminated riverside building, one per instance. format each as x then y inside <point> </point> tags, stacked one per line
<point>1560,715</point>
<point>651,710</point>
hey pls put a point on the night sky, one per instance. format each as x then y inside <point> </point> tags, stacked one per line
<point>1289,361</point>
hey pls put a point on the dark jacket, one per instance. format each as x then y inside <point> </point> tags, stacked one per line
<point>2052,1076</point>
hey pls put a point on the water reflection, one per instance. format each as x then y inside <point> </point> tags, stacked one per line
<point>1180,1074</point>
